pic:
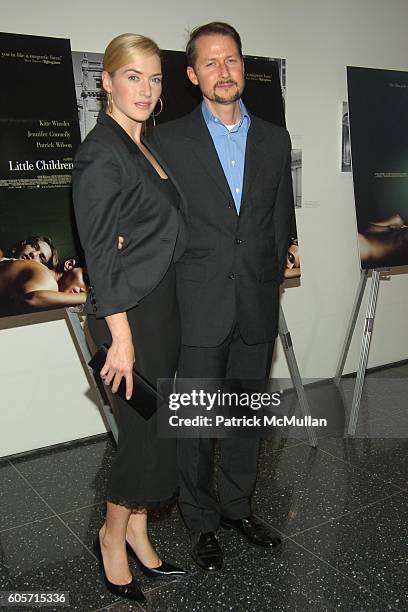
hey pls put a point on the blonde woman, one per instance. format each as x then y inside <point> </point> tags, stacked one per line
<point>121,189</point>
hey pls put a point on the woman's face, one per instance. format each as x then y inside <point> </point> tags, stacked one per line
<point>38,251</point>
<point>135,89</point>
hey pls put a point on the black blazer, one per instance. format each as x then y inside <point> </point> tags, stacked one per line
<point>233,265</point>
<point>113,195</point>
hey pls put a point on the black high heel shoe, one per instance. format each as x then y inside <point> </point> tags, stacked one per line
<point>165,570</point>
<point>129,591</point>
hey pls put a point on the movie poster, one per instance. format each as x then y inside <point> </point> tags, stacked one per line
<point>264,96</point>
<point>265,87</point>
<point>378,104</point>
<point>54,102</point>
<point>39,135</point>
<point>90,97</point>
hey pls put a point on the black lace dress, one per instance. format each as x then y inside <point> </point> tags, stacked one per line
<point>144,472</point>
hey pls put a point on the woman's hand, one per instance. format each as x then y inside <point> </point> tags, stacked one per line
<point>121,355</point>
<point>119,364</point>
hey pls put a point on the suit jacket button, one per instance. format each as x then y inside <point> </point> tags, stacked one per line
<point>230,205</point>
<point>238,241</point>
<point>231,275</point>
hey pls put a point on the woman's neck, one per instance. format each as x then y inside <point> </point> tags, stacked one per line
<point>132,128</point>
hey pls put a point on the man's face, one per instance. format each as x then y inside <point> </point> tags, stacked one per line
<point>218,70</point>
<point>73,281</point>
<point>39,251</point>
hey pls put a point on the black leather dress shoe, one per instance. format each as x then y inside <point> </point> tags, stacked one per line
<point>207,553</point>
<point>254,530</point>
<point>165,570</point>
<point>129,591</point>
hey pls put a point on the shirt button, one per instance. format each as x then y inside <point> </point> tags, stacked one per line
<point>231,275</point>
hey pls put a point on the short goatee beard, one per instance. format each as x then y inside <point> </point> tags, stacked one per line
<point>233,98</point>
<point>229,100</point>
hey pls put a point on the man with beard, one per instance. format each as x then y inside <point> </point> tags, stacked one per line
<point>234,171</point>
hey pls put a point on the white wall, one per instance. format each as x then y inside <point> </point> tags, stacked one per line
<point>318,38</point>
<point>45,396</point>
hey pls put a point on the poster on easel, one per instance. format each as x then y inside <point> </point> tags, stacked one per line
<point>378,115</point>
<point>41,264</point>
<point>39,134</point>
<point>264,96</point>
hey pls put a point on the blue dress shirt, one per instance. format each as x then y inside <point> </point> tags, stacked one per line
<point>230,144</point>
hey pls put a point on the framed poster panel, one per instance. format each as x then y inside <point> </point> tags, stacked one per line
<point>378,103</point>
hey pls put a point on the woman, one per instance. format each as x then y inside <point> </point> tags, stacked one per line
<point>121,190</point>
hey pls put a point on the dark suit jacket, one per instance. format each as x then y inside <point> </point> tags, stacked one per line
<point>113,195</point>
<point>233,265</point>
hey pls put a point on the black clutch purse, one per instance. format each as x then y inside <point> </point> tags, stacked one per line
<point>145,397</point>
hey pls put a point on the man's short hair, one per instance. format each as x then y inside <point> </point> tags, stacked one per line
<point>215,27</point>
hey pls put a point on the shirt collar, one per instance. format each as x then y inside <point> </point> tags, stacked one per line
<point>210,118</point>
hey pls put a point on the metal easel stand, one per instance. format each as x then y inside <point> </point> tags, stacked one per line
<point>286,340</point>
<point>365,349</point>
<point>78,336</point>
<point>365,344</point>
<point>351,326</point>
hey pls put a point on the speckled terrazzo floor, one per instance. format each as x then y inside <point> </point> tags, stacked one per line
<point>342,510</point>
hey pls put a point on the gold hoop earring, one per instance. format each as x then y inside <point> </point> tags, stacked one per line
<point>154,115</point>
<point>109,102</point>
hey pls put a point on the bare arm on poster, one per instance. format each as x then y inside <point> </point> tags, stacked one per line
<point>28,286</point>
<point>384,238</point>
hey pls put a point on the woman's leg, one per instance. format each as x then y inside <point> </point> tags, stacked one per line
<point>112,537</point>
<point>138,539</point>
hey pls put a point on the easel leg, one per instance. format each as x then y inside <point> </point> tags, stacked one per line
<point>294,373</point>
<point>351,326</point>
<point>365,349</point>
<point>77,333</point>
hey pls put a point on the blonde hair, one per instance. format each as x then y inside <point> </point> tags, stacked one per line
<point>122,49</point>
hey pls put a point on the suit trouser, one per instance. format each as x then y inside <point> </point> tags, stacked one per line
<point>238,457</point>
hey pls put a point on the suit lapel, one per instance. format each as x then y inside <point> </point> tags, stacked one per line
<point>253,158</point>
<point>205,152</point>
<point>149,145</point>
